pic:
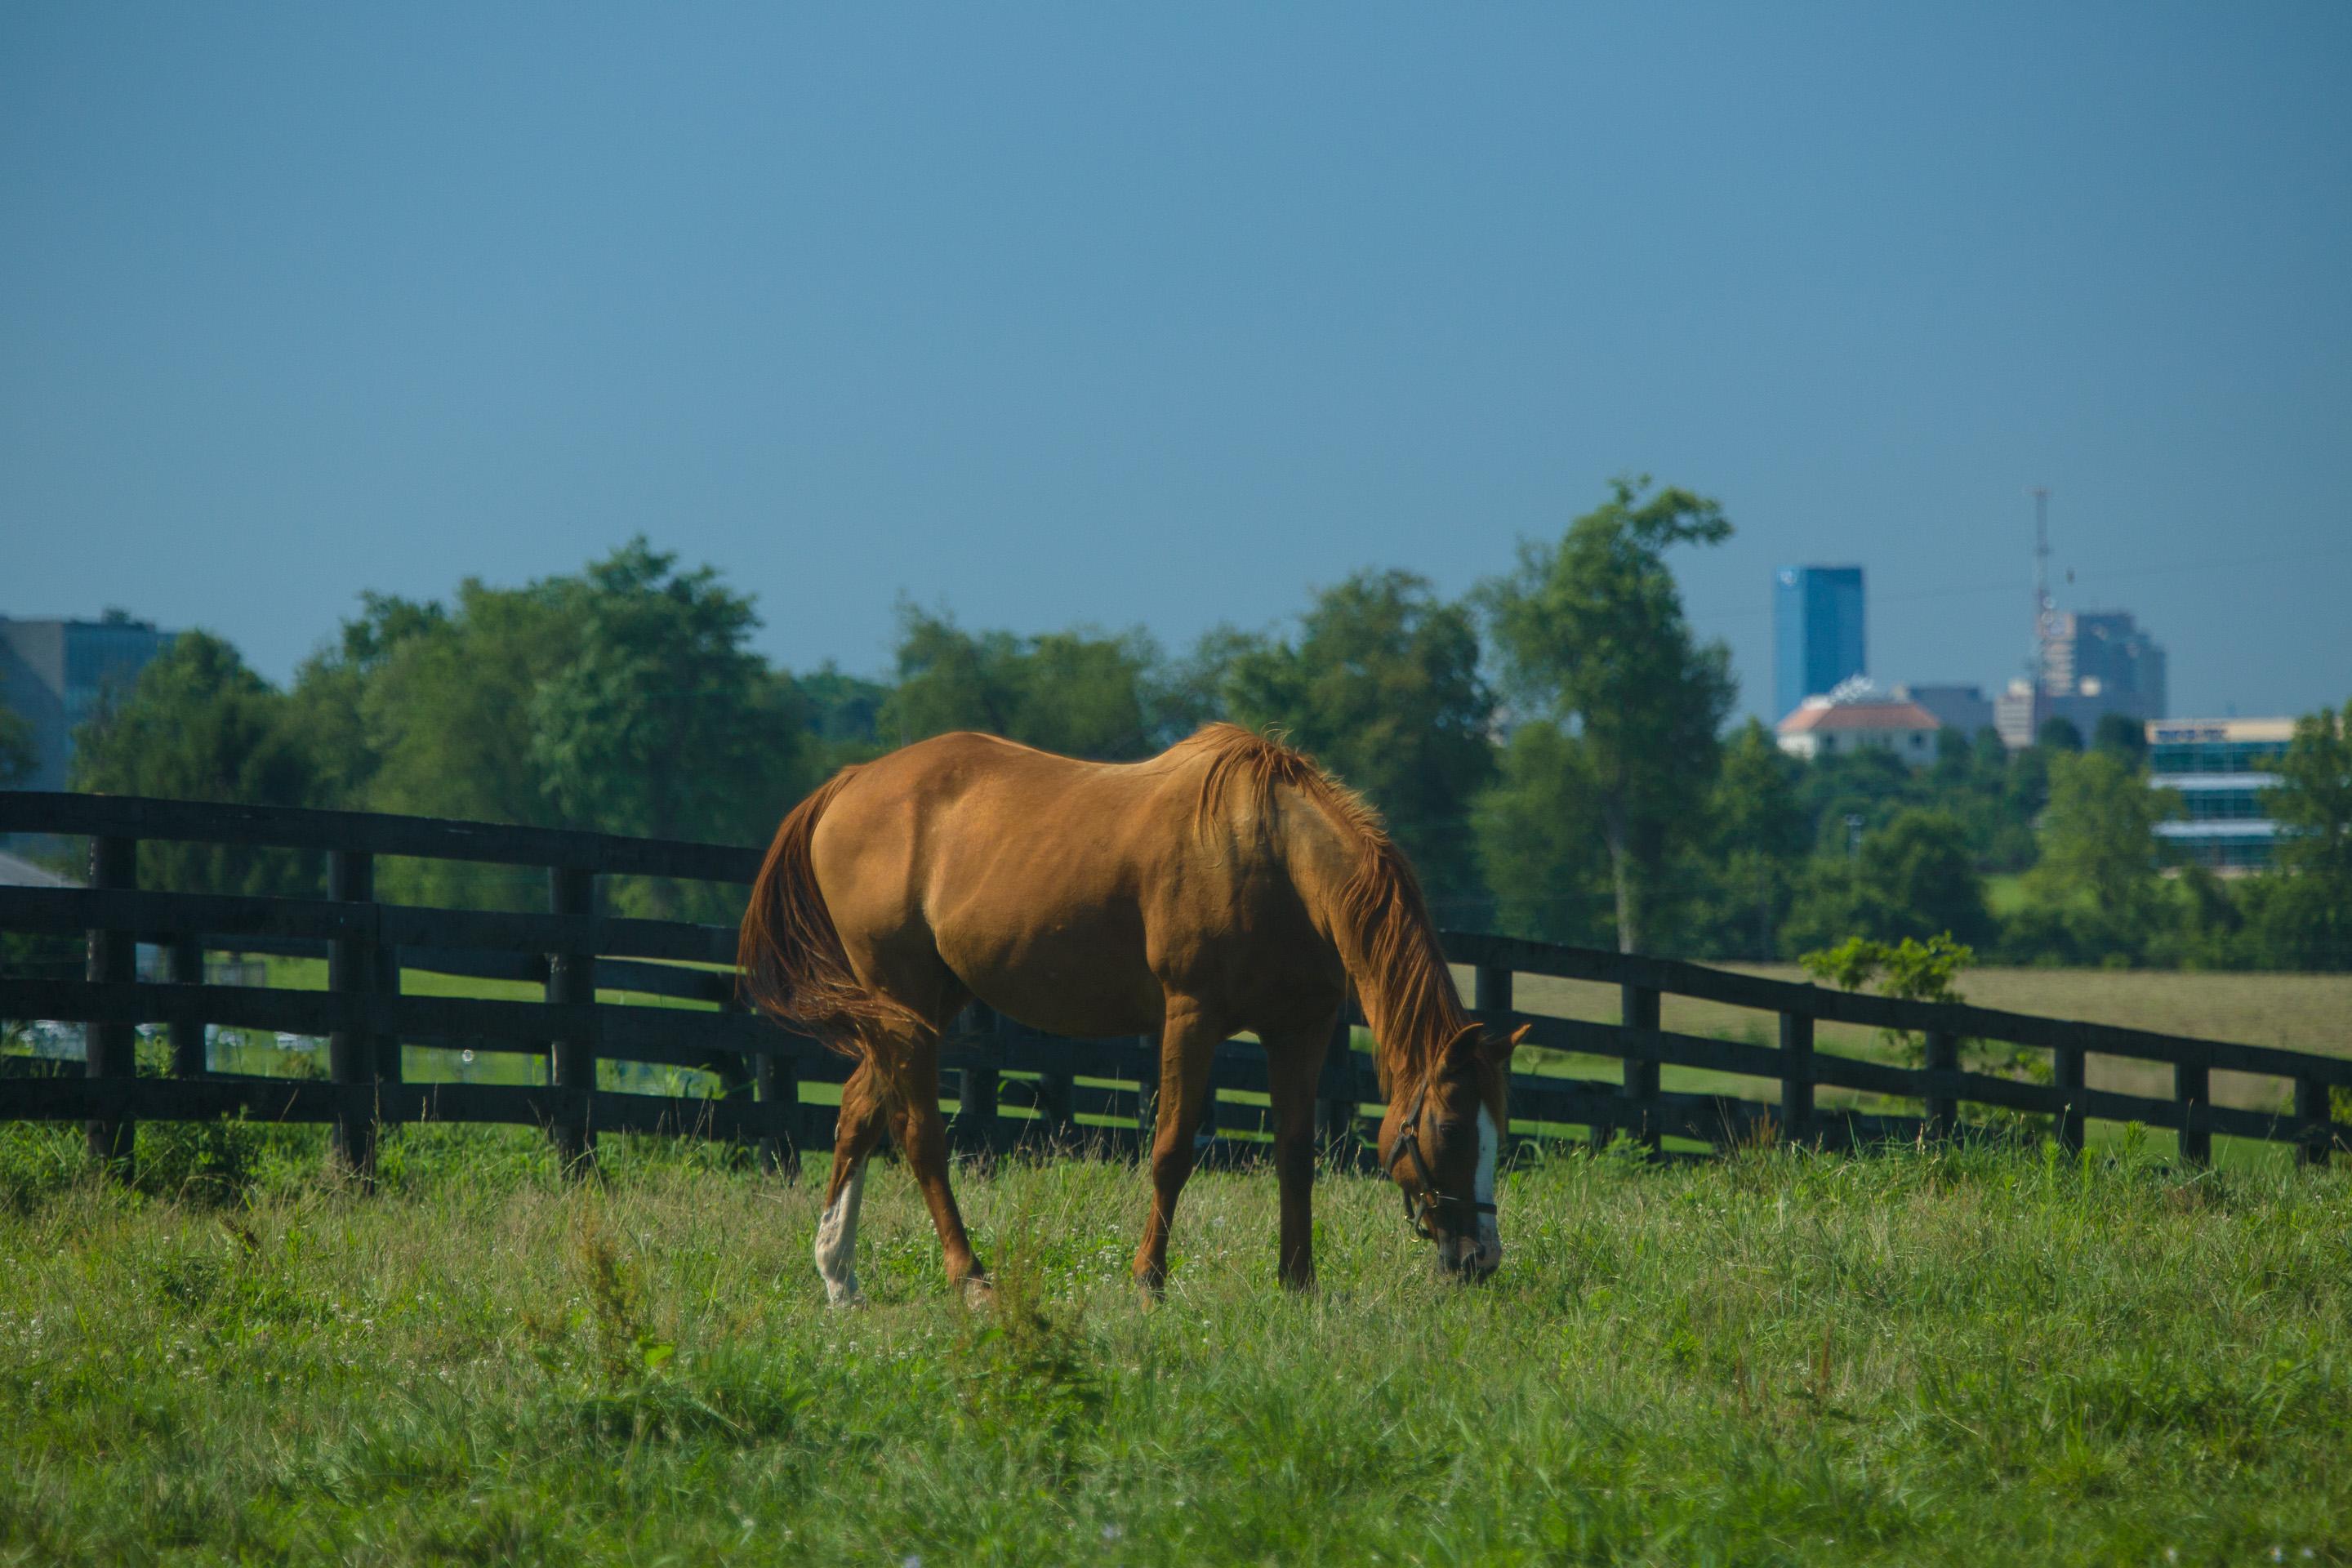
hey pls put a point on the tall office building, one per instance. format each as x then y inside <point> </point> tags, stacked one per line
<point>2094,663</point>
<point>2104,653</point>
<point>53,674</point>
<point>1817,632</point>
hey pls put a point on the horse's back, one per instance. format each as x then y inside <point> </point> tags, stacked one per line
<point>1069,894</point>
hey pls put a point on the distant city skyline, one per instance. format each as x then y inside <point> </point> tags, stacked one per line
<point>1760,694</point>
<point>1064,316</point>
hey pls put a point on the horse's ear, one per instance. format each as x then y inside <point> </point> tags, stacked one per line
<point>1499,1050</point>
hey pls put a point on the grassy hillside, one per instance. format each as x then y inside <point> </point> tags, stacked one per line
<point>1941,1358</point>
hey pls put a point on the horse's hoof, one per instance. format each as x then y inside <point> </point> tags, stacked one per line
<point>978,1291</point>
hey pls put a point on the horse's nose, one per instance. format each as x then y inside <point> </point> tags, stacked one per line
<point>1469,1259</point>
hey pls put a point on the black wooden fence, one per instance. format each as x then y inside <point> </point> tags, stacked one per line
<point>1010,1084</point>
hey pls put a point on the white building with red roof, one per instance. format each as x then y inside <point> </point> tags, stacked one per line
<point>1858,717</point>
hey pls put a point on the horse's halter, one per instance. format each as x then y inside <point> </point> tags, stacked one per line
<point>1432,1202</point>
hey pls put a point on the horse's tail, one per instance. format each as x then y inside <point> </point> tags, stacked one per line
<point>790,960</point>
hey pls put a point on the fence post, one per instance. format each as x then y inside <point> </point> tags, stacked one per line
<point>2191,1088</point>
<point>110,1051</point>
<point>188,1032</point>
<point>2190,1092</point>
<point>350,1050</point>
<point>775,1086</point>
<point>778,1080</point>
<point>1335,1093</point>
<point>389,1066</point>
<point>1055,1104</point>
<point>1490,989</point>
<point>977,1126</point>
<point>980,1087</point>
<point>571,981</point>
<point>1796,1076</point>
<point>1638,1014</point>
<point>2066,1074</point>
<point>2312,1116</point>
<point>1147,1095</point>
<point>1943,1107</point>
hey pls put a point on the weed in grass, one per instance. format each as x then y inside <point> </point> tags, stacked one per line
<point>1023,1374</point>
<point>211,1164</point>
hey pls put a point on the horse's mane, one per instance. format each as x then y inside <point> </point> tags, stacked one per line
<point>1381,924</point>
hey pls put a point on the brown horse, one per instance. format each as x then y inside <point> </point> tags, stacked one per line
<point>1225,884</point>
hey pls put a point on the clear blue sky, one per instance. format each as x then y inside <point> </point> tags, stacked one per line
<point>1160,316</point>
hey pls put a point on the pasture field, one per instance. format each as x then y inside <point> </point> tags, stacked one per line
<point>1983,1355</point>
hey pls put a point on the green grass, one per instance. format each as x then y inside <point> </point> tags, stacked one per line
<point>1942,1357</point>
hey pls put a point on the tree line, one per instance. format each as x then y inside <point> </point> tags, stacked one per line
<point>1552,750</point>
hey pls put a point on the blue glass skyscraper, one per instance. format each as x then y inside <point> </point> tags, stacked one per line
<point>1816,632</point>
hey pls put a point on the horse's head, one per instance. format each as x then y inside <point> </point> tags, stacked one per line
<point>1440,1143</point>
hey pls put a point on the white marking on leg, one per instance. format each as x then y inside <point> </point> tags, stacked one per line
<point>836,1240</point>
<point>1490,1237</point>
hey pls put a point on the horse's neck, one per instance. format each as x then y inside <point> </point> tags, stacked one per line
<point>1409,998</point>
<point>1390,956</point>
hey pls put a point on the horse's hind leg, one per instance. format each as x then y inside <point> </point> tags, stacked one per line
<point>914,1065</point>
<point>1188,1047</point>
<point>857,1135</point>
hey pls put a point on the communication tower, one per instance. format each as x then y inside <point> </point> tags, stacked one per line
<point>2045,609</point>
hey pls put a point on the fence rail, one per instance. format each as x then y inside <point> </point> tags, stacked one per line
<point>1008,1083</point>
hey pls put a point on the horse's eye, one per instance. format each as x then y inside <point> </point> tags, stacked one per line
<point>1453,1128</point>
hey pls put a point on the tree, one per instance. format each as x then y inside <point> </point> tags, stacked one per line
<point>2122,735</point>
<point>1972,779</point>
<point>844,711</point>
<point>625,697</point>
<point>1191,691</point>
<point>18,756</point>
<point>2307,914</point>
<point>2098,865</point>
<point>2058,734</point>
<point>326,706</point>
<point>1908,971</point>
<point>1849,789</point>
<point>198,725</point>
<point>1077,692</point>
<point>1913,878</point>
<point>1593,635</point>
<point>1381,687</point>
<point>446,717</point>
<point>664,723</point>
<point>1759,835</point>
<point>1086,695</point>
<point>1537,836</point>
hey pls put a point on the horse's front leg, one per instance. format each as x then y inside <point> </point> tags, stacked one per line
<point>1188,1047</point>
<point>1294,1068</point>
